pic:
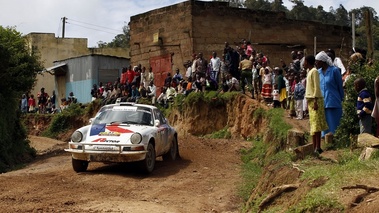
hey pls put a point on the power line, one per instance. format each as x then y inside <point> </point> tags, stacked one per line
<point>92,28</point>
<point>95,25</point>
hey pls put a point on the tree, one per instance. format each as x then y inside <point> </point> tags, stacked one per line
<point>342,16</point>
<point>18,70</point>
<point>258,5</point>
<point>120,40</point>
<point>233,3</point>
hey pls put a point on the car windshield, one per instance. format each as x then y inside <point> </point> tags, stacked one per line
<point>125,115</point>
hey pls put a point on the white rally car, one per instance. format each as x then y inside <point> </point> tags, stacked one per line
<point>124,132</point>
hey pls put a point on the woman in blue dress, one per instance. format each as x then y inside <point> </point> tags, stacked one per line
<point>331,89</point>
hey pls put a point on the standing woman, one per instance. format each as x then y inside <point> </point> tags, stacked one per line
<point>332,91</point>
<point>267,84</point>
<point>375,111</point>
<point>315,102</point>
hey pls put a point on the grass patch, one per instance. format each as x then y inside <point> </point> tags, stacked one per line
<point>221,134</point>
<point>277,124</point>
<point>348,170</point>
<point>253,162</point>
<point>64,120</point>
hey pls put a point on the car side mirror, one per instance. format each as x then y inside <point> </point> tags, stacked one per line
<point>157,122</point>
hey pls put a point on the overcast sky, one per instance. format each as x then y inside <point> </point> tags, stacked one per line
<point>102,20</point>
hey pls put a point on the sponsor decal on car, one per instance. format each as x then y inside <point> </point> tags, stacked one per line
<point>109,134</point>
<point>104,140</point>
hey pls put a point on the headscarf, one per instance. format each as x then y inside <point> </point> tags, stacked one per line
<point>322,56</point>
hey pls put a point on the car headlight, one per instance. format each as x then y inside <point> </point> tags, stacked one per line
<point>76,136</point>
<point>136,138</point>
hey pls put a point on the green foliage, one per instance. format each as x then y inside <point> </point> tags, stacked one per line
<point>120,40</point>
<point>223,133</point>
<point>194,97</point>
<point>349,124</point>
<point>335,176</point>
<point>253,160</point>
<point>212,98</point>
<point>64,120</point>
<point>18,69</point>
<point>277,124</point>
<point>259,114</point>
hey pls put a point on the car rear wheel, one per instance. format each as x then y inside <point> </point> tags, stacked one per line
<point>147,165</point>
<point>79,165</point>
<point>173,153</point>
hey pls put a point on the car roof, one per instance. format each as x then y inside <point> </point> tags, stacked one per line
<point>131,104</point>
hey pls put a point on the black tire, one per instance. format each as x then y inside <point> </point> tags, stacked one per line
<point>79,165</point>
<point>173,153</point>
<point>147,165</point>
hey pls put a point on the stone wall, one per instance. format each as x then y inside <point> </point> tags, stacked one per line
<point>171,25</point>
<point>195,26</point>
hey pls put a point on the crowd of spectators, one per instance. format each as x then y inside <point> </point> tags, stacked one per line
<point>44,104</point>
<point>240,68</point>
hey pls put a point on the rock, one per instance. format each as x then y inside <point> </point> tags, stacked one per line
<point>367,140</point>
<point>304,150</point>
<point>295,138</point>
<point>367,152</point>
<point>329,138</point>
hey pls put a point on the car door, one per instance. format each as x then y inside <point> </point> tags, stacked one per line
<point>162,142</point>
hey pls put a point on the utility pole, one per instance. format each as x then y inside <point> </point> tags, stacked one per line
<point>63,26</point>
<point>353,29</point>
<point>370,42</point>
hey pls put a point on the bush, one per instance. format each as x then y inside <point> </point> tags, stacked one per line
<point>349,124</point>
<point>65,120</point>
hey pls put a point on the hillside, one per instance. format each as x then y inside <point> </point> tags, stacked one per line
<point>243,121</point>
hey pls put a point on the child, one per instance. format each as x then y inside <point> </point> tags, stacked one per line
<point>298,95</point>
<point>275,96</point>
<point>267,85</point>
<point>32,103</point>
<point>364,106</point>
<point>303,80</point>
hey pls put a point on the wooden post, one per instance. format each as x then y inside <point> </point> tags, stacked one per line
<point>370,42</point>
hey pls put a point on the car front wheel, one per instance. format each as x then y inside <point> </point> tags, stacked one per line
<point>79,165</point>
<point>172,154</point>
<point>147,165</point>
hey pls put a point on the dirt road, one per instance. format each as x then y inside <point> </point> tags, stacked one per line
<point>206,179</point>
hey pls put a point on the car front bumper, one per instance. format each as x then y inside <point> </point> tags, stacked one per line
<point>116,152</point>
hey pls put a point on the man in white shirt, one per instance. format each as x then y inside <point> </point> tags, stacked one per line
<point>215,66</point>
<point>188,67</point>
<point>336,60</point>
<point>233,83</point>
<point>152,92</point>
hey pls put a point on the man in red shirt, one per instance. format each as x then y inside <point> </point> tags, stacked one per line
<point>123,76</point>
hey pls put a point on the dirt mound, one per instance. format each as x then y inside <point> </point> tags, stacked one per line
<point>237,116</point>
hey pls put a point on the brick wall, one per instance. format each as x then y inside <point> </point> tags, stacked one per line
<point>195,26</point>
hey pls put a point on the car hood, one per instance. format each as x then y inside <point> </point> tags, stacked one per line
<point>113,133</point>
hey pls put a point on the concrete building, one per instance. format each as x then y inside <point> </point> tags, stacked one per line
<point>78,74</point>
<point>166,37</point>
<point>51,48</point>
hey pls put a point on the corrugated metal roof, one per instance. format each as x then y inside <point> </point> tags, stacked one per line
<point>54,67</point>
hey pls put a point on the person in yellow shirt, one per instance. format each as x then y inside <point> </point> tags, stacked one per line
<point>315,101</point>
<point>245,67</point>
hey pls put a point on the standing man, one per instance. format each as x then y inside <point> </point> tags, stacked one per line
<point>201,66</point>
<point>215,66</point>
<point>245,67</point>
<point>42,101</point>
